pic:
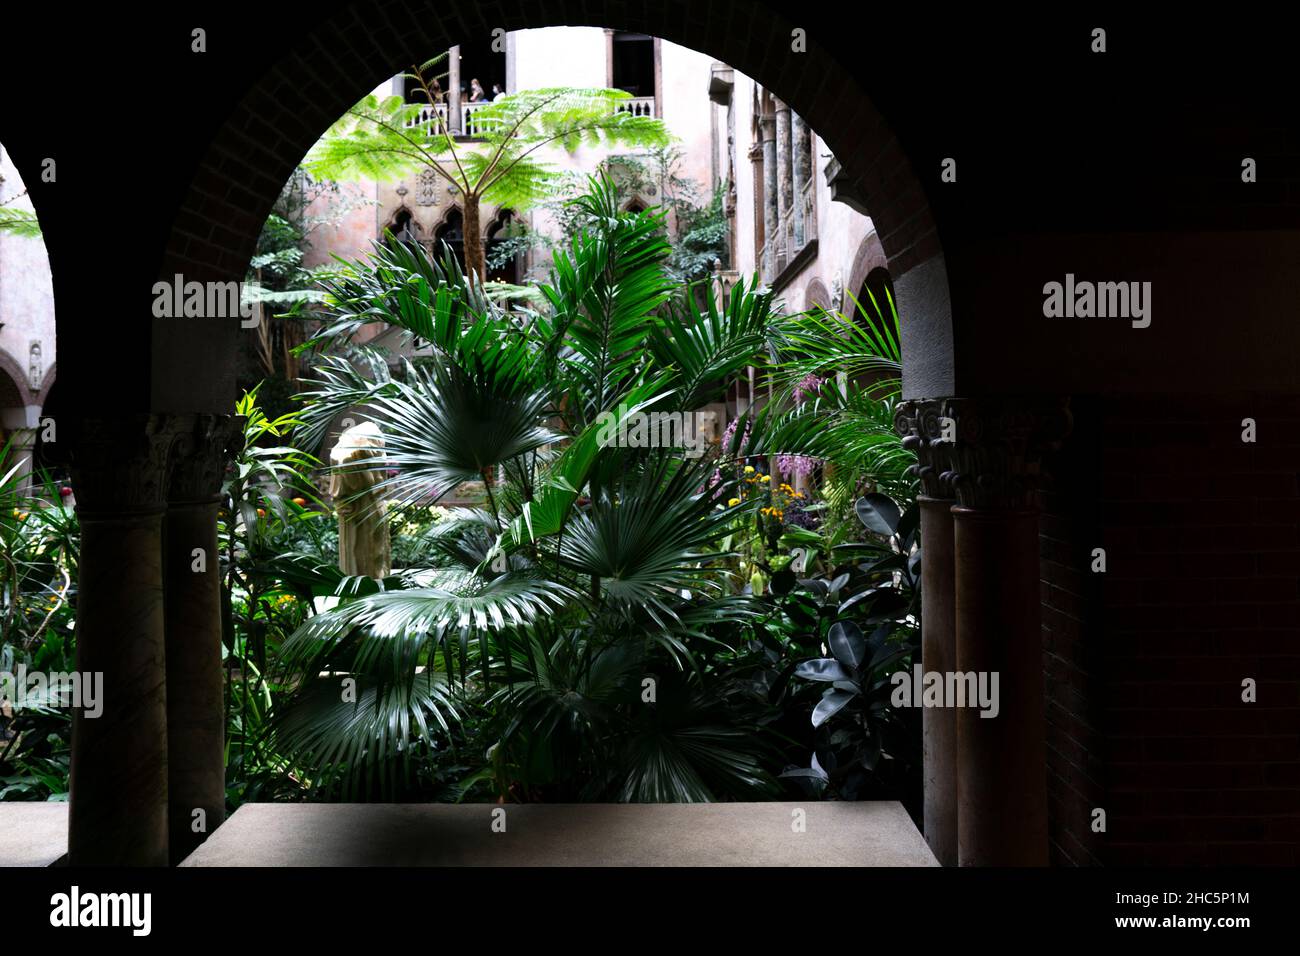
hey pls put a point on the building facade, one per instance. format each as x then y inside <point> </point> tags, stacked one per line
<point>665,80</point>
<point>26,321</point>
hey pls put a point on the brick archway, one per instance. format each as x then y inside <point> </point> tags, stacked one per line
<point>274,126</point>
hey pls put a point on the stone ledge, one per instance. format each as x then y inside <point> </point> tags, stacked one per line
<point>720,834</point>
<point>33,834</point>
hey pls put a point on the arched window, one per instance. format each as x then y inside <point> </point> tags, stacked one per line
<point>508,271</point>
<point>452,232</point>
<point>403,226</point>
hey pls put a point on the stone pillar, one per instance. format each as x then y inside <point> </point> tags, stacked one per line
<point>770,197</point>
<point>1001,760</point>
<point>453,91</point>
<point>785,183</point>
<point>196,777</point>
<point>22,445</point>
<point>118,812</point>
<point>755,154</point>
<point>22,424</point>
<point>609,58</point>
<point>919,424</point>
<point>801,165</point>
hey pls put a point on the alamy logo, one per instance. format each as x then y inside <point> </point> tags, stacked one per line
<point>690,431</point>
<point>202,300</point>
<point>1099,300</point>
<point>73,909</point>
<point>951,689</point>
<point>35,690</point>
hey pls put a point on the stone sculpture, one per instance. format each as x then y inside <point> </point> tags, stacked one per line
<point>364,546</point>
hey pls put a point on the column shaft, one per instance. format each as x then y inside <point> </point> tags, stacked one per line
<point>1002,793</point>
<point>785,184</point>
<point>195,689</point>
<point>770,198</point>
<point>939,654</point>
<point>453,91</point>
<point>118,801</point>
<point>196,777</point>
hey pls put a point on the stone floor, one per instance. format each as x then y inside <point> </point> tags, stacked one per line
<point>722,834</point>
<point>33,834</point>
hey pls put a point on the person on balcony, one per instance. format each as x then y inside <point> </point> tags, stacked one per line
<point>476,94</point>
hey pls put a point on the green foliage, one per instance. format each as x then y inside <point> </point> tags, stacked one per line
<point>381,139</point>
<point>695,230</point>
<point>871,619</point>
<point>39,550</point>
<point>19,222</point>
<point>614,623</point>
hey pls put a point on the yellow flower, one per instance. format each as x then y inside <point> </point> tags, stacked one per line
<point>749,469</point>
<point>733,502</point>
<point>765,478</point>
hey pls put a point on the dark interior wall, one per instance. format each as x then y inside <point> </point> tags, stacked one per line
<point>1219,302</point>
<point>1073,673</point>
<point>1202,591</point>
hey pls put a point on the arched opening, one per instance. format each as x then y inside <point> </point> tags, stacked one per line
<point>499,230</point>
<point>27,324</point>
<point>451,234</point>
<point>403,226</point>
<point>220,253</point>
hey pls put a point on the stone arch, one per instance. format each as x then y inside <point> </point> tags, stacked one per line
<point>14,392</point>
<point>869,257</point>
<point>276,123</point>
<point>816,294</point>
<point>404,216</point>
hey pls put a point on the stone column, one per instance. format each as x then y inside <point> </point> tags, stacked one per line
<point>22,424</point>
<point>785,183</point>
<point>196,777</point>
<point>453,91</point>
<point>801,165</point>
<point>770,196</point>
<point>920,425</point>
<point>1001,760</point>
<point>755,155</point>
<point>118,812</point>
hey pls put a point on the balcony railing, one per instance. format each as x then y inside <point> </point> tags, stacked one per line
<point>638,106</point>
<point>434,119</point>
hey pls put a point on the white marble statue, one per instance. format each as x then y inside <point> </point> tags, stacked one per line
<point>364,546</point>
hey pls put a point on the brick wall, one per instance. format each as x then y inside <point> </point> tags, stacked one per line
<point>1202,536</point>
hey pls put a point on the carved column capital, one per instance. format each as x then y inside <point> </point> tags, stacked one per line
<point>119,464</point>
<point>204,443</point>
<point>987,452</point>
